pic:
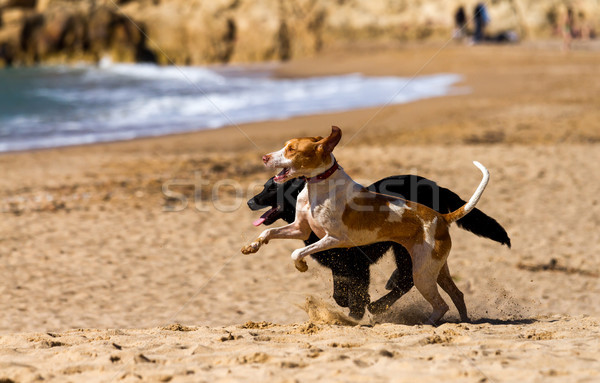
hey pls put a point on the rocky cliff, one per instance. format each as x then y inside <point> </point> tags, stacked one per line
<point>207,31</point>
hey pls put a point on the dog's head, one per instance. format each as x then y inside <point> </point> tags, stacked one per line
<point>307,156</point>
<point>280,198</point>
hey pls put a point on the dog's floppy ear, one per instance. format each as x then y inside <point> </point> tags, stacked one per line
<point>330,142</point>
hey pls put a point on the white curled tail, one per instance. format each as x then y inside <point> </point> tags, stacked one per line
<point>466,208</point>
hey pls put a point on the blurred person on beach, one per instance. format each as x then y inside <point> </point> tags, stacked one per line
<point>480,15</point>
<point>565,22</point>
<point>460,23</point>
<point>583,30</point>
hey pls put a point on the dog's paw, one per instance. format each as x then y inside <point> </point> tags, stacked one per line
<point>247,250</point>
<point>251,248</point>
<point>377,307</point>
<point>301,265</point>
<point>357,313</point>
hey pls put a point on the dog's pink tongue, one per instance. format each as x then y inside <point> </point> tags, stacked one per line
<point>264,217</point>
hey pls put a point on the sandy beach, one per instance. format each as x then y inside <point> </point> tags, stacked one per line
<point>106,278</point>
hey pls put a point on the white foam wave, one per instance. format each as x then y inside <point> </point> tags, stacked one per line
<point>124,101</point>
<point>153,72</point>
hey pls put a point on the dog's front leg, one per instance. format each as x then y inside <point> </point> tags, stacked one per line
<point>295,230</point>
<point>325,243</point>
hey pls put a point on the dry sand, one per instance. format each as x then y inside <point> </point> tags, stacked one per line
<point>96,271</point>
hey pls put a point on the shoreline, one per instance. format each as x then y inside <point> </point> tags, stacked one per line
<point>175,101</point>
<point>380,63</point>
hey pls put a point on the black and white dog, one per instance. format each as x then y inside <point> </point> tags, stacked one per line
<point>350,267</point>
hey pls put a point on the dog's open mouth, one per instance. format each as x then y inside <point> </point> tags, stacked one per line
<point>265,216</point>
<point>282,174</point>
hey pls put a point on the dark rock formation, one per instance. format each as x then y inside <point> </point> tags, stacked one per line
<point>64,34</point>
<point>200,31</point>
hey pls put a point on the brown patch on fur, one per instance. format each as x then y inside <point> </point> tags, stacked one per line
<point>443,243</point>
<point>371,211</point>
<point>376,206</point>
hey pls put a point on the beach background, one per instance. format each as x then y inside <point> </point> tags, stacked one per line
<point>120,260</point>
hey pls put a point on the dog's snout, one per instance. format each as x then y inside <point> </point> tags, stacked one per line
<point>266,158</point>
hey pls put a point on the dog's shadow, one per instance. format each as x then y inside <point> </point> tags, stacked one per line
<point>422,319</point>
<point>415,313</point>
<point>512,321</point>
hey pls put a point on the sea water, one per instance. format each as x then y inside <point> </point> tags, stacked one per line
<point>68,105</point>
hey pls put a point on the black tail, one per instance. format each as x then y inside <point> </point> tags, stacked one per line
<point>477,222</point>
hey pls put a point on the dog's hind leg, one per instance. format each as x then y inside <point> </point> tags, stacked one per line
<point>446,282</point>
<point>426,268</point>
<point>385,302</point>
<point>401,278</point>
<point>399,283</point>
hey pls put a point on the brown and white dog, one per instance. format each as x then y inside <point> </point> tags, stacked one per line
<point>343,213</point>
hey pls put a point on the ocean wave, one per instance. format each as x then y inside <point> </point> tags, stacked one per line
<point>85,104</point>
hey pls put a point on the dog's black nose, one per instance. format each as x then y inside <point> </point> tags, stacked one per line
<point>266,158</point>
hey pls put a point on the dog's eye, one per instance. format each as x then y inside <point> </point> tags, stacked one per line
<point>291,149</point>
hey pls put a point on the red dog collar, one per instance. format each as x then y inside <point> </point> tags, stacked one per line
<point>323,176</point>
